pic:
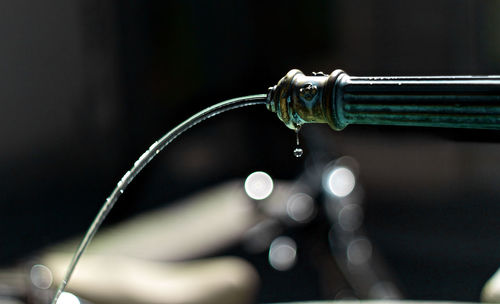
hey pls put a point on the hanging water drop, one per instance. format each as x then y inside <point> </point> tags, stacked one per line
<point>298,152</point>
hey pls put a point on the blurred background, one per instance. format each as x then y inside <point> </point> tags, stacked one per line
<point>87,86</point>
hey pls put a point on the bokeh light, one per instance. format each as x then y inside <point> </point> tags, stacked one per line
<point>68,298</point>
<point>300,207</point>
<point>41,276</point>
<point>340,182</point>
<point>259,185</point>
<point>359,251</point>
<point>283,253</point>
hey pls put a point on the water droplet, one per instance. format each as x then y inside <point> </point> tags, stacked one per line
<point>298,152</point>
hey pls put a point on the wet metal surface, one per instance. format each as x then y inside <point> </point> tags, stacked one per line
<point>433,101</point>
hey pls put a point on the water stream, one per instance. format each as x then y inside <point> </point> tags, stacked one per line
<point>145,158</point>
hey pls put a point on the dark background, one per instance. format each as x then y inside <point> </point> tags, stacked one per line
<point>87,86</point>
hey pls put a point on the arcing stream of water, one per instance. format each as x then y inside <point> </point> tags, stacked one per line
<point>145,158</point>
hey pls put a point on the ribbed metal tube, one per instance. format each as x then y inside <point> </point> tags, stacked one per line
<point>339,100</point>
<point>458,102</point>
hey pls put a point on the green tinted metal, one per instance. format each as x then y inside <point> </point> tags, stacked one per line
<point>339,100</point>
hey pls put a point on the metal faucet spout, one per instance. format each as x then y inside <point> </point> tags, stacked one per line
<point>432,101</point>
